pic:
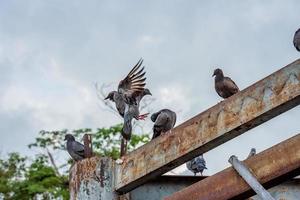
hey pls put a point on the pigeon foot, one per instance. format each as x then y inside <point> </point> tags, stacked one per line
<point>143,116</point>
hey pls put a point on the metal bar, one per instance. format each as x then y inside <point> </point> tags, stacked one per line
<point>272,166</point>
<point>249,108</point>
<point>250,179</point>
<point>88,147</point>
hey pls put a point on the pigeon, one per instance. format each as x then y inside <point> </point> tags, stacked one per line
<point>224,86</point>
<point>127,99</point>
<point>164,120</point>
<point>196,165</point>
<point>252,153</point>
<point>74,148</point>
<point>296,40</point>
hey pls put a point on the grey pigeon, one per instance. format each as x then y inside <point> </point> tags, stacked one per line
<point>296,40</point>
<point>164,120</point>
<point>74,148</point>
<point>224,86</point>
<point>252,153</point>
<point>127,99</point>
<point>196,165</point>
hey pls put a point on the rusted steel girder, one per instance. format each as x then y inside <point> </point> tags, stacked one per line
<point>249,108</point>
<point>282,160</point>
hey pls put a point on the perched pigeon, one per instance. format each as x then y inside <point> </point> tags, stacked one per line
<point>74,148</point>
<point>296,40</point>
<point>164,120</point>
<point>225,87</point>
<point>196,165</point>
<point>252,153</point>
<point>127,99</point>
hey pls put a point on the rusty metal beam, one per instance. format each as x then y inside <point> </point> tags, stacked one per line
<point>88,147</point>
<point>249,108</point>
<point>273,163</point>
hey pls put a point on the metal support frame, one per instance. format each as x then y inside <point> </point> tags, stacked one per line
<point>271,167</point>
<point>228,119</point>
<point>244,172</point>
<point>99,178</point>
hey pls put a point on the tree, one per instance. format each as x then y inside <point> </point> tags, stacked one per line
<point>42,177</point>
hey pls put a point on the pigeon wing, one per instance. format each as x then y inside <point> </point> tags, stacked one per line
<point>133,84</point>
<point>78,148</point>
<point>120,104</point>
<point>230,85</point>
<point>160,123</point>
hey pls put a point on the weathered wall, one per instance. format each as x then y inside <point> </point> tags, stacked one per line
<point>92,178</point>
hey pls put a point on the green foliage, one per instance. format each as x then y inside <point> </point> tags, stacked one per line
<point>40,178</point>
<point>106,141</point>
<point>21,181</point>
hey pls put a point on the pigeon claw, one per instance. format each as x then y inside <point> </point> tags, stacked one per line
<point>143,116</point>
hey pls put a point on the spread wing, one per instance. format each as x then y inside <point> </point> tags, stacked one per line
<point>230,85</point>
<point>134,82</point>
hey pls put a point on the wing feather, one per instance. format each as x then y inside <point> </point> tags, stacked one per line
<point>134,82</point>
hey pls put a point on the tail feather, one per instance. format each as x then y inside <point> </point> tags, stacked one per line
<point>127,127</point>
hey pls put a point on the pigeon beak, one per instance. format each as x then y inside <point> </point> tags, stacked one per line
<point>213,74</point>
<point>106,98</point>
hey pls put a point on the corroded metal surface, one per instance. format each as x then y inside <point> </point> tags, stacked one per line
<point>92,178</point>
<point>254,105</point>
<point>250,179</point>
<point>271,164</point>
<point>286,191</point>
<point>88,147</point>
<point>163,186</point>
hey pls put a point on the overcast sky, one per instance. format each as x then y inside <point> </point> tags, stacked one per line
<point>52,52</point>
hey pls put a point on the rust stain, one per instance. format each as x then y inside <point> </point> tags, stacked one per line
<point>102,168</point>
<point>87,166</point>
<point>228,184</point>
<point>232,116</point>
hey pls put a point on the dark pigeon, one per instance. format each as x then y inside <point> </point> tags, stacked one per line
<point>74,148</point>
<point>164,120</point>
<point>130,92</point>
<point>225,87</point>
<point>296,40</point>
<point>252,153</point>
<point>196,165</point>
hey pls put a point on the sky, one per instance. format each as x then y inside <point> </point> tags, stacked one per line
<point>53,52</point>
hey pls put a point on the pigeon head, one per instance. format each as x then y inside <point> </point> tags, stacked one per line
<point>218,72</point>
<point>147,92</point>
<point>154,116</point>
<point>69,137</point>
<point>110,96</point>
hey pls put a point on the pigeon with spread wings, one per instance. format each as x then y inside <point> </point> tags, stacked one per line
<point>224,86</point>
<point>130,92</point>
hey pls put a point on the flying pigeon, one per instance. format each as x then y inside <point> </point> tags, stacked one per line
<point>196,165</point>
<point>164,120</point>
<point>74,148</point>
<point>296,40</point>
<point>130,92</point>
<point>224,86</point>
